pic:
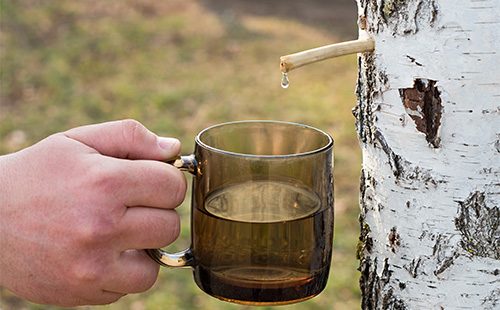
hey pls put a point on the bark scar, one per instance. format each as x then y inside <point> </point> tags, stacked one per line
<point>423,104</point>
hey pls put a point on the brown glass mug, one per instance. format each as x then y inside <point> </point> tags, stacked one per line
<point>262,212</point>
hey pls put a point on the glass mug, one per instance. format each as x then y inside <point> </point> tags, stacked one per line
<point>261,213</point>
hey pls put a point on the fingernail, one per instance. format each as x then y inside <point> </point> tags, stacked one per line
<point>168,143</point>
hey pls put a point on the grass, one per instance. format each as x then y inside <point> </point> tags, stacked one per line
<point>177,67</point>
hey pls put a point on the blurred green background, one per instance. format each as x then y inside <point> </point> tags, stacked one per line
<point>178,67</point>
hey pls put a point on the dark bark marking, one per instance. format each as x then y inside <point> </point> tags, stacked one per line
<point>391,302</point>
<point>492,300</point>
<point>403,170</point>
<point>423,104</point>
<point>370,83</point>
<point>495,272</point>
<point>365,244</point>
<point>394,239</point>
<point>412,267</point>
<point>366,189</point>
<point>441,251</point>
<point>390,7</point>
<point>497,143</point>
<point>376,291</point>
<point>376,294</point>
<point>479,226</point>
<point>398,15</point>
<point>394,160</point>
<point>414,60</point>
<point>380,207</point>
<point>364,91</point>
<point>448,261</point>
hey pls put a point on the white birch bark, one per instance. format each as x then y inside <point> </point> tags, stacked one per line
<point>428,119</point>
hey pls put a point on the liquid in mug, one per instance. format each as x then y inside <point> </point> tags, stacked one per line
<point>270,243</point>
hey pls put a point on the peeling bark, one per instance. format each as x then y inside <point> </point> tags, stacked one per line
<point>423,104</point>
<point>428,121</point>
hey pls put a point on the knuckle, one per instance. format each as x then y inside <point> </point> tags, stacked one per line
<point>104,179</point>
<point>130,124</point>
<point>132,130</point>
<point>86,273</point>
<point>91,235</point>
<point>95,230</point>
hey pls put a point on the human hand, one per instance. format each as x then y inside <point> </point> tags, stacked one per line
<point>77,208</point>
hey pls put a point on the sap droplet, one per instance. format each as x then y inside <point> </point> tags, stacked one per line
<point>284,80</point>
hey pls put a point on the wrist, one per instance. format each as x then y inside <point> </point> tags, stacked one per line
<point>6,191</point>
<point>5,179</point>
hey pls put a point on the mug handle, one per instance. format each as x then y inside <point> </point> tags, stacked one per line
<point>183,258</point>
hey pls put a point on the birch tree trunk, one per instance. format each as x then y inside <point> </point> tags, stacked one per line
<point>429,127</point>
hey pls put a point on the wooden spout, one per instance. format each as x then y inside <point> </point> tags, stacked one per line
<point>293,61</point>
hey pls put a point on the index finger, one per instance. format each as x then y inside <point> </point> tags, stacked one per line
<point>125,139</point>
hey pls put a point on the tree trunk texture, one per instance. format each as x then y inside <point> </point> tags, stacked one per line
<point>428,123</point>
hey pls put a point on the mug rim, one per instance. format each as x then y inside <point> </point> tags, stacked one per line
<point>325,147</point>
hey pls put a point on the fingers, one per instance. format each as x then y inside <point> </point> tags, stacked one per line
<point>149,188</point>
<point>141,183</point>
<point>148,228</point>
<point>133,272</point>
<point>125,139</point>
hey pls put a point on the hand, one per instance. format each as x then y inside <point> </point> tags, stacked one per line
<point>77,208</point>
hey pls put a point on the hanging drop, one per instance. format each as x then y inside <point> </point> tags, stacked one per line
<point>284,80</point>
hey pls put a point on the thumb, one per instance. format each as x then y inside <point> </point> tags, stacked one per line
<point>125,139</point>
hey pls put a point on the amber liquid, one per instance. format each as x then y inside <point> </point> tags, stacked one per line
<point>262,243</point>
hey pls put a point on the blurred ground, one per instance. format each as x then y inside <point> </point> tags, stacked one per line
<point>179,66</point>
<point>337,17</point>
